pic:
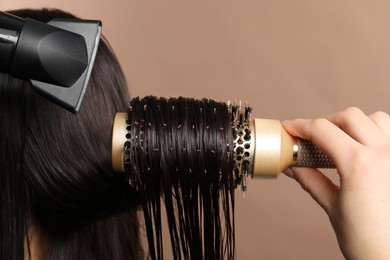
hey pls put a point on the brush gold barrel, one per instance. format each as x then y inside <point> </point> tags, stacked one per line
<point>275,149</point>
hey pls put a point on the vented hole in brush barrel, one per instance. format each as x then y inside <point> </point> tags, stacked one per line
<point>247,136</point>
<point>239,150</point>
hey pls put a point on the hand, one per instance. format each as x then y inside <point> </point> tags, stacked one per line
<point>359,209</point>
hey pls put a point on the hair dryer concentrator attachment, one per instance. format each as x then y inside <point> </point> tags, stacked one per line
<point>57,57</point>
<point>262,148</point>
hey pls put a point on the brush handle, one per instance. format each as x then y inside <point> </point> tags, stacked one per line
<point>311,157</point>
<point>275,150</point>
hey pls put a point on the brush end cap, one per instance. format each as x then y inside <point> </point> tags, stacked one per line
<point>118,140</point>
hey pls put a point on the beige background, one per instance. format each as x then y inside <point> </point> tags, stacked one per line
<point>286,58</point>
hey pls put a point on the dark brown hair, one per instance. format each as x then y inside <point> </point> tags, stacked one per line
<point>182,148</point>
<point>55,170</point>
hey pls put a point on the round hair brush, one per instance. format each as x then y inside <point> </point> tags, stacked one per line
<point>255,147</point>
<point>193,154</point>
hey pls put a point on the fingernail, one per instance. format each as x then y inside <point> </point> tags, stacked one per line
<point>289,172</point>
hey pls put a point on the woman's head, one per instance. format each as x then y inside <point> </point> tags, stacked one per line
<point>55,166</point>
<point>55,172</point>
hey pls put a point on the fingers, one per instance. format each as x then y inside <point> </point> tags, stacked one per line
<point>382,121</point>
<point>340,134</point>
<point>359,126</point>
<point>320,187</point>
<point>329,138</point>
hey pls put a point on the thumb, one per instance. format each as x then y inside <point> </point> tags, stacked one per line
<point>320,187</point>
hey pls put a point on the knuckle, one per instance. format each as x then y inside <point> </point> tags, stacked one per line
<point>319,123</point>
<point>361,159</point>
<point>353,111</point>
<point>304,181</point>
<point>380,115</point>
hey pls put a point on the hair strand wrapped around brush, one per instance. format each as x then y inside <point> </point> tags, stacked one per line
<point>182,149</point>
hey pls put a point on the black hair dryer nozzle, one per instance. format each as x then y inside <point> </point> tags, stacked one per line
<point>57,57</point>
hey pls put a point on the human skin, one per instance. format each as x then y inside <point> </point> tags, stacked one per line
<point>359,208</point>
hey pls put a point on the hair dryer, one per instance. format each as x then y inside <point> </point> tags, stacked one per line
<point>57,57</point>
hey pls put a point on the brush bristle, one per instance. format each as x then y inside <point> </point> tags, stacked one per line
<point>241,124</point>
